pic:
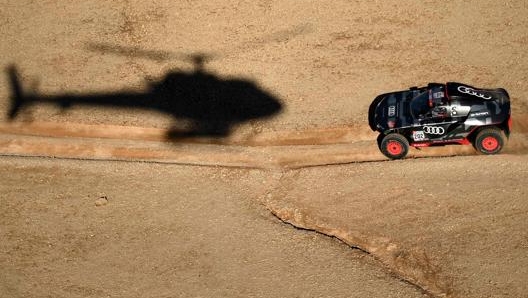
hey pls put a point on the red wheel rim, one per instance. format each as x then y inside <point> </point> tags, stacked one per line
<point>394,147</point>
<point>490,143</point>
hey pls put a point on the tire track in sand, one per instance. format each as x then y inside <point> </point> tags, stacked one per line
<point>269,149</point>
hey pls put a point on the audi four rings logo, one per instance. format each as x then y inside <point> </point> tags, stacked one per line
<point>392,111</point>
<point>471,91</point>
<point>434,130</point>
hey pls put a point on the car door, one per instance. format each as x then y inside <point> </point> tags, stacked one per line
<point>437,125</point>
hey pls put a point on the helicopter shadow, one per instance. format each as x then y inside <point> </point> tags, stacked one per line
<point>210,104</point>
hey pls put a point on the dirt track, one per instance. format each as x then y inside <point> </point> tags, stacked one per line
<point>286,149</point>
<point>171,230</point>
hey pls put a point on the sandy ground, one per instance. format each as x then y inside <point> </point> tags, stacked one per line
<point>324,61</point>
<point>165,231</point>
<point>452,226</point>
<point>461,231</point>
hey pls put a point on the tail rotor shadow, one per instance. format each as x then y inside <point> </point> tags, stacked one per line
<point>16,97</point>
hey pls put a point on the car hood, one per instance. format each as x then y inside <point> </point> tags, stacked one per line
<point>391,110</point>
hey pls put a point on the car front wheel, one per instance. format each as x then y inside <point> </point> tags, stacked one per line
<point>394,146</point>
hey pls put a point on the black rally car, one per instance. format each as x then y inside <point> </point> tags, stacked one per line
<point>441,114</point>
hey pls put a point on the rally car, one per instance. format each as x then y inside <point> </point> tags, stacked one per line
<point>441,114</point>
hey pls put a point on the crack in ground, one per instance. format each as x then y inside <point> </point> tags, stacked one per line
<point>412,266</point>
<point>429,286</point>
<point>395,275</point>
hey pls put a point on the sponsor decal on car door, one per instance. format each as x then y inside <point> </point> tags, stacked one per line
<point>434,131</point>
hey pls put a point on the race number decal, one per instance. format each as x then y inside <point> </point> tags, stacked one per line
<point>418,135</point>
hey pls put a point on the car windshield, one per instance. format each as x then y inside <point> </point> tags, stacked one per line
<point>420,104</point>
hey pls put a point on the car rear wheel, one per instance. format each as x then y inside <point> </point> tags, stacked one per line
<point>489,141</point>
<point>394,146</point>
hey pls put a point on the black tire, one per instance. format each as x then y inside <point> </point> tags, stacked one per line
<point>380,139</point>
<point>489,141</point>
<point>394,146</point>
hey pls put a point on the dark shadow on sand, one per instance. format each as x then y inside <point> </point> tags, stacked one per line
<point>211,104</point>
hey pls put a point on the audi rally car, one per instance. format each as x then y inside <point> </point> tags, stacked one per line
<point>441,114</point>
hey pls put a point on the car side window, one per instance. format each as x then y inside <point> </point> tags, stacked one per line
<point>419,105</point>
<point>440,112</point>
<point>439,104</point>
